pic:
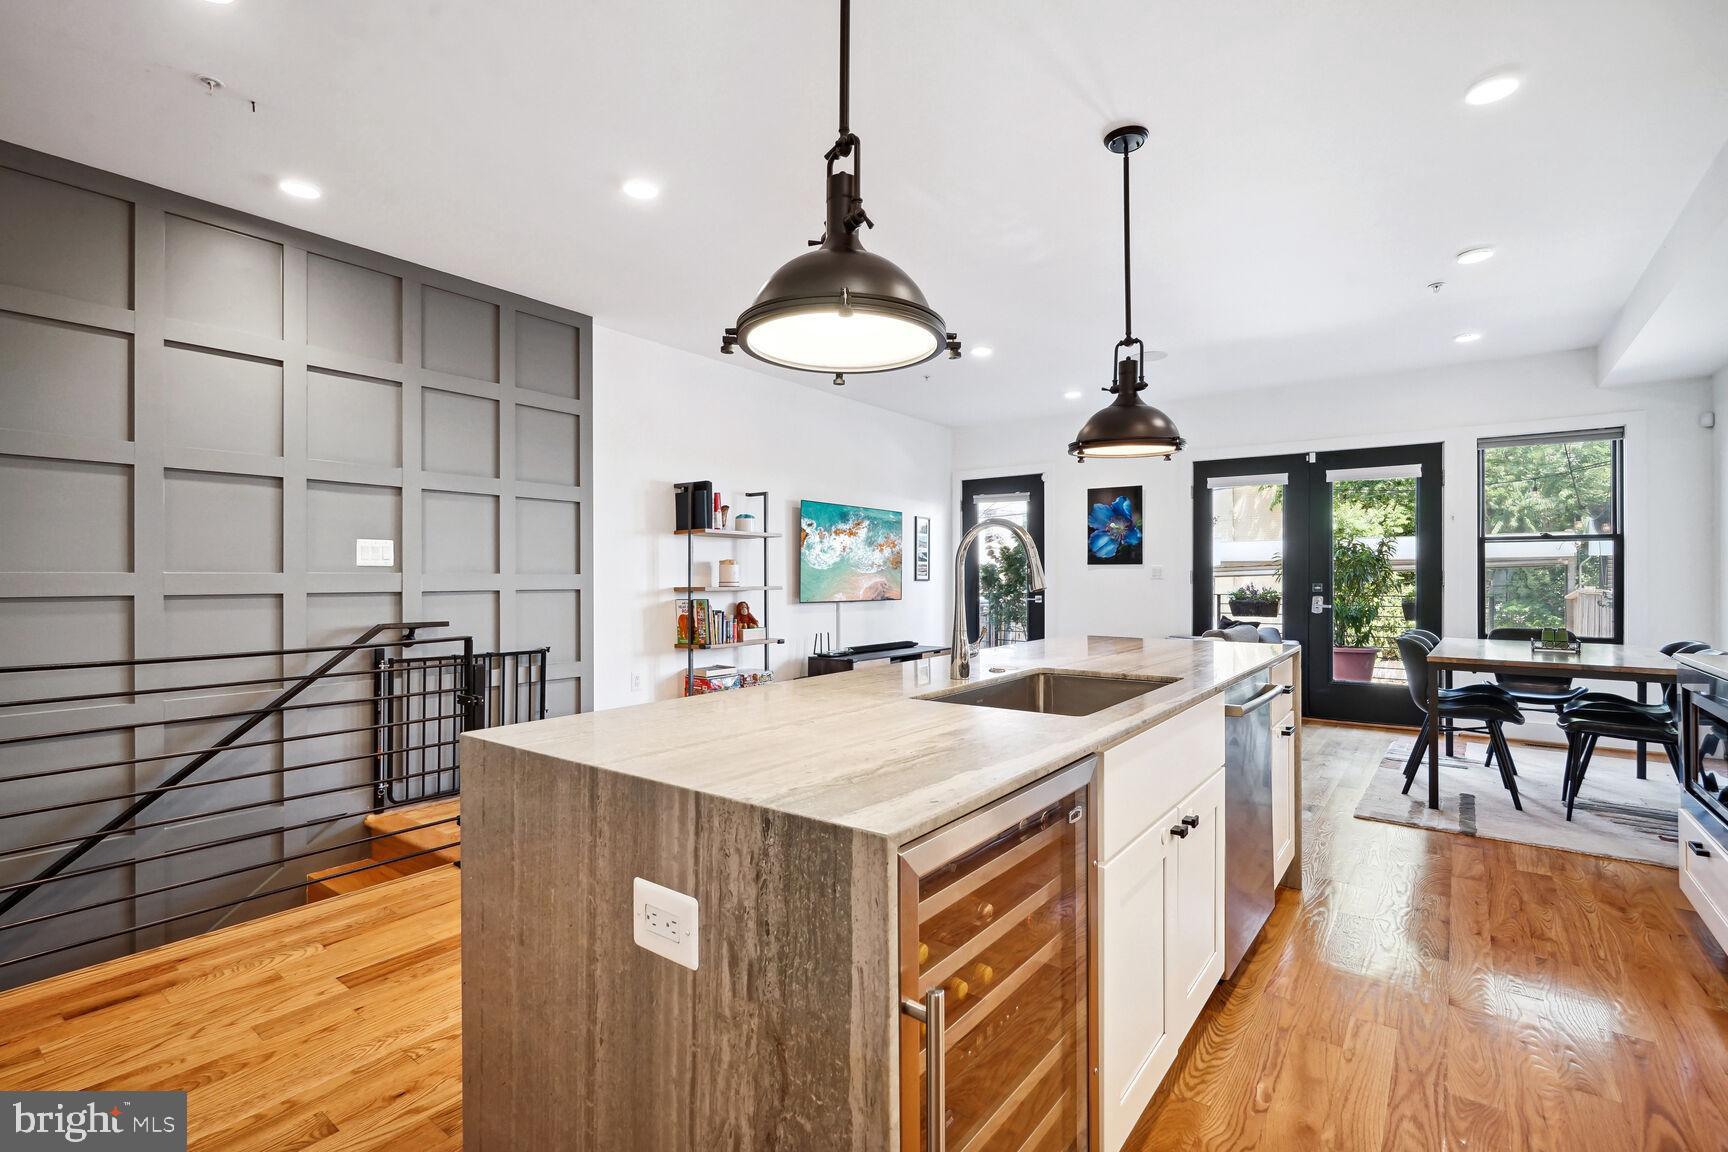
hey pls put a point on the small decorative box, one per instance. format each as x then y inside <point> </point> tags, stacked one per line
<point>752,635</point>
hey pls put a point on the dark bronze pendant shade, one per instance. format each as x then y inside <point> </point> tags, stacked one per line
<point>1127,427</point>
<point>839,308</point>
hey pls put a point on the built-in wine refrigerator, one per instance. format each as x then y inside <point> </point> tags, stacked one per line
<point>994,976</point>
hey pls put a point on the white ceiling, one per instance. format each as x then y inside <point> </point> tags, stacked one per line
<point>1312,165</point>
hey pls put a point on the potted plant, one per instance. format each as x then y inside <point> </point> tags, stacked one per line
<point>1362,580</point>
<point>1252,600</point>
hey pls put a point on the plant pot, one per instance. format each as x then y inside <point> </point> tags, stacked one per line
<point>1254,607</point>
<point>1409,607</point>
<point>1354,664</point>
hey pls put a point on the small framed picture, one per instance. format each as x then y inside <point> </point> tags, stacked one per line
<point>920,547</point>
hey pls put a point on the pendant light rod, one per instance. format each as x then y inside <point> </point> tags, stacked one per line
<point>1127,256</point>
<point>845,68</point>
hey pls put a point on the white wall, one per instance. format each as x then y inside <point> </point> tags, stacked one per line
<point>1672,469</point>
<point>1719,403</point>
<point>662,416</point>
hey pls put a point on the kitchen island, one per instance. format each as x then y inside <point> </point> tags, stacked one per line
<point>782,810</point>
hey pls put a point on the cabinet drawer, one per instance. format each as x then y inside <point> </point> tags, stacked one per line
<point>1283,798</point>
<point>1704,879</point>
<point>1146,775</point>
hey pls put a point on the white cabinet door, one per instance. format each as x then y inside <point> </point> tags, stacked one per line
<point>1194,915</point>
<point>1283,796</point>
<point>1135,1044</point>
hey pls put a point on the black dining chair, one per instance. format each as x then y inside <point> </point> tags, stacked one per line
<point>1541,693</point>
<point>1484,704</point>
<point>1587,722</point>
<point>1595,715</point>
<point>1430,639</point>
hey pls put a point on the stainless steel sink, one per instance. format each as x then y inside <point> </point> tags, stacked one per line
<point>1054,693</point>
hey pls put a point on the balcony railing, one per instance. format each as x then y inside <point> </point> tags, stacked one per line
<point>143,801</point>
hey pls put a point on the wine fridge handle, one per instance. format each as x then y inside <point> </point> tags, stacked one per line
<point>933,1014</point>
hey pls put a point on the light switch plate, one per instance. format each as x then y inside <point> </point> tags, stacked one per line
<point>665,922</point>
<point>374,553</point>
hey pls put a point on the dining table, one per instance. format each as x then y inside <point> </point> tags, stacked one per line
<point>1640,666</point>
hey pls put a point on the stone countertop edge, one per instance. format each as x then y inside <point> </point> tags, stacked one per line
<point>1711,662</point>
<point>867,750</point>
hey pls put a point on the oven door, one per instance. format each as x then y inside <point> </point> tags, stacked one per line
<point>994,976</point>
<point>1704,742</point>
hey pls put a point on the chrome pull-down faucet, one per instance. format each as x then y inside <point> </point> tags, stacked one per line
<point>964,648</point>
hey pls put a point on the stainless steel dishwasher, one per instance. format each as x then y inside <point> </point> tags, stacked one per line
<point>1248,881</point>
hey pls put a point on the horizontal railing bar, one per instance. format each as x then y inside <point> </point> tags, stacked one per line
<point>142,661</point>
<point>205,814</point>
<point>200,911</point>
<point>165,789</point>
<point>454,662</point>
<point>234,872</point>
<point>208,717</point>
<point>271,743</point>
<point>225,842</point>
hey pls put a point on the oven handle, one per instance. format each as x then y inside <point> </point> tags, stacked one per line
<point>933,1014</point>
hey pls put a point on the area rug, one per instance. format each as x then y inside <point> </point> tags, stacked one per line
<point>1617,814</point>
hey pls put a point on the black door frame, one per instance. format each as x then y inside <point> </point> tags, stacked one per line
<point>1295,584</point>
<point>1032,484</point>
<point>1331,699</point>
<point>1308,569</point>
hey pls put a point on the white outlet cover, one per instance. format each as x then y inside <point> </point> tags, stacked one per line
<point>665,922</point>
<point>374,553</point>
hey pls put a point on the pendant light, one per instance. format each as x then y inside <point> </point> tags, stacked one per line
<point>1128,426</point>
<point>839,308</point>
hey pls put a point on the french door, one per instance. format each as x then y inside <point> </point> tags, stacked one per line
<point>1338,550</point>
<point>1000,609</point>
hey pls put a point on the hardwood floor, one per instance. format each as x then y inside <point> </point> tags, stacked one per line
<point>1431,991</point>
<point>337,1026</point>
<point>1426,991</point>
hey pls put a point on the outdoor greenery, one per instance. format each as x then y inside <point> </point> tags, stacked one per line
<point>1003,584</point>
<point>1554,491</point>
<point>1364,589</point>
<point>1253,591</point>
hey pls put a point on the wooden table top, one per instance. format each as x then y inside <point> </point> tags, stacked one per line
<point>1602,660</point>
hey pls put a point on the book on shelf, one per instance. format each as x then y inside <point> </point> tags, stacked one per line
<point>694,622</point>
<point>725,679</point>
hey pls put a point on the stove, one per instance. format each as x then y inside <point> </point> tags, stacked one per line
<point>1703,682</point>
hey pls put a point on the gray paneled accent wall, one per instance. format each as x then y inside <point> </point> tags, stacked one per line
<point>200,413</point>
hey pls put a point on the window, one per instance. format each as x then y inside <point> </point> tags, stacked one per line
<point>1550,541</point>
<point>1247,549</point>
<point>1004,580</point>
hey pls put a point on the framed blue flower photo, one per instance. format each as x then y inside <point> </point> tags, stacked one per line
<point>1113,525</point>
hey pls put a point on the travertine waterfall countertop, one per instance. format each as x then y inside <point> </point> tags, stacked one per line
<point>861,750</point>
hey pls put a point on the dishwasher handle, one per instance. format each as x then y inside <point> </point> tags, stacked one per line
<point>933,1014</point>
<point>1256,702</point>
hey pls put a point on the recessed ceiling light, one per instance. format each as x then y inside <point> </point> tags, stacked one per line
<point>639,189</point>
<point>1475,255</point>
<point>1491,89</point>
<point>300,189</point>
<point>1466,337</point>
<point>221,1</point>
<point>982,351</point>
<point>1073,395</point>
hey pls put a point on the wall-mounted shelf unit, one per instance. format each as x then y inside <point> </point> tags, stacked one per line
<point>691,589</point>
<point>728,533</point>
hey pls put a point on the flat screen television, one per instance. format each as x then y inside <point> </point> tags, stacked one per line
<point>847,553</point>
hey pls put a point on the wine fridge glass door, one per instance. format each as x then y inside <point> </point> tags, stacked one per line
<point>993,942</point>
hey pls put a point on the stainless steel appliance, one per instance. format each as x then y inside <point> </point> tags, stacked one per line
<point>1703,685</point>
<point>994,975</point>
<point>1248,881</point>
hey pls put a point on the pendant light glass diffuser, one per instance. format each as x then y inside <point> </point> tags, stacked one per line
<point>1127,427</point>
<point>838,308</point>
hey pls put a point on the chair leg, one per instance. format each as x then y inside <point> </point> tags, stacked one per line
<point>1573,743</point>
<point>1578,776</point>
<point>1508,777</point>
<point>1488,760</point>
<point>1414,764</point>
<point>1673,750</point>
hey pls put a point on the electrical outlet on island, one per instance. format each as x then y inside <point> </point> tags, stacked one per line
<point>665,922</point>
